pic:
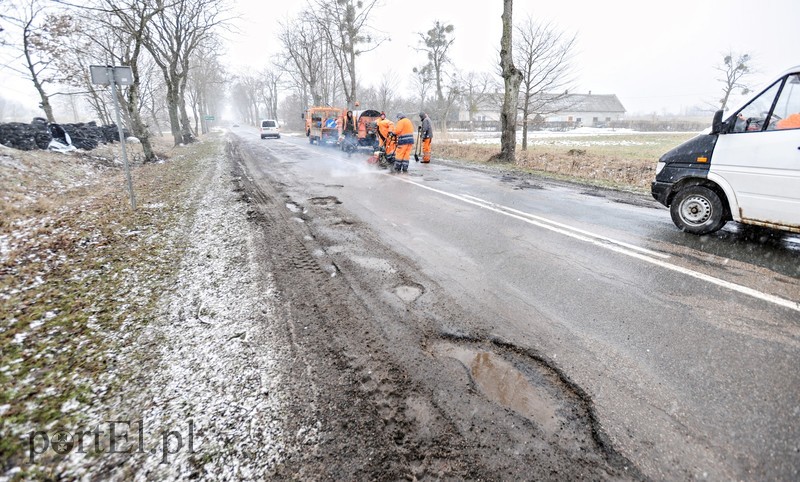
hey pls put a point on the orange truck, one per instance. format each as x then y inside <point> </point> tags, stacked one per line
<point>323,124</point>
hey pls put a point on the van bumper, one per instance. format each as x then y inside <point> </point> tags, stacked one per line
<point>661,191</point>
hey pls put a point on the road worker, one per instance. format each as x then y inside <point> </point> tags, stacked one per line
<point>404,130</point>
<point>349,132</point>
<point>790,122</point>
<point>385,126</point>
<point>426,133</point>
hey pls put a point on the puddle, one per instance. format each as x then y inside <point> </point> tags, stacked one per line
<point>408,293</point>
<point>502,383</point>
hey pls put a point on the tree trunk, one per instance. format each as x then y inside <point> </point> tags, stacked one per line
<point>186,125</point>
<point>512,78</point>
<point>172,107</point>
<point>525,114</point>
<point>26,48</point>
<point>726,96</point>
<point>352,69</point>
<point>137,124</point>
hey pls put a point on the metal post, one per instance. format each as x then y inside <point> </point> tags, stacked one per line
<point>121,136</point>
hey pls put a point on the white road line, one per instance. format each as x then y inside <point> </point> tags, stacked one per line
<point>571,228</point>
<point>610,244</point>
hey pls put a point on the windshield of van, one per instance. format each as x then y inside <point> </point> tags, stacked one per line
<point>268,123</point>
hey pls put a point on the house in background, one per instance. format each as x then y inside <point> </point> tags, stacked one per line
<point>585,110</point>
<point>561,111</point>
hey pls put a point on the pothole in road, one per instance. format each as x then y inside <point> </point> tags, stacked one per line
<point>325,200</point>
<point>294,208</point>
<point>527,185</point>
<point>502,383</point>
<point>408,293</point>
<point>531,387</point>
<point>507,178</point>
<point>376,264</point>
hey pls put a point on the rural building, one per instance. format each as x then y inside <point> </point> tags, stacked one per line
<point>570,110</point>
<point>585,110</point>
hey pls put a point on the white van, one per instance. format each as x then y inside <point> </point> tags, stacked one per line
<point>269,128</point>
<point>746,169</point>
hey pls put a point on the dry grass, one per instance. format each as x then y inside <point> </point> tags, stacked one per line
<point>625,161</point>
<point>33,182</point>
<point>79,270</point>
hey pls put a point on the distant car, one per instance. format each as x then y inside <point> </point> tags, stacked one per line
<point>269,128</point>
<point>236,125</point>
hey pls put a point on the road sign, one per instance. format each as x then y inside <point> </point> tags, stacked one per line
<point>209,117</point>
<point>103,74</point>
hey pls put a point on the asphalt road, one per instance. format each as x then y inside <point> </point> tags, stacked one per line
<point>688,347</point>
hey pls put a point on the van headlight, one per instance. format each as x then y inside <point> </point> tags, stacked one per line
<point>660,167</point>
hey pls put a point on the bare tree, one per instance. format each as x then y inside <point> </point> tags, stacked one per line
<point>304,49</point>
<point>120,33</point>
<point>436,42</point>
<point>206,78</point>
<point>386,91</point>
<point>245,96</point>
<point>242,102</point>
<point>422,80</point>
<point>33,61</point>
<point>543,55</point>
<point>271,80</point>
<point>478,90</point>
<point>512,78</point>
<point>735,69</point>
<point>344,26</point>
<point>171,36</point>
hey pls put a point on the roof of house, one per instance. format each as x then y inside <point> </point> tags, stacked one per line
<point>587,103</point>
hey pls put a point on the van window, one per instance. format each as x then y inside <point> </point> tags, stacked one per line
<point>753,117</point>
<point>787,109</point>
<point>268,123</point>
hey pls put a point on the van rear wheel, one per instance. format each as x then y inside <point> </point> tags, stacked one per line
<point>697,210</point>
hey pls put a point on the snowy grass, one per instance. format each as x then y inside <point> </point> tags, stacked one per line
<point>75,266</point>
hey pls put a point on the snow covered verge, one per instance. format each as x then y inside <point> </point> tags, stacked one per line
<point>131,340</point>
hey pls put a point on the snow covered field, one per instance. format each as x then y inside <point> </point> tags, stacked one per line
<point>580,137</point>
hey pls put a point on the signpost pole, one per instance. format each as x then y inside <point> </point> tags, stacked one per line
<point>121,136</point>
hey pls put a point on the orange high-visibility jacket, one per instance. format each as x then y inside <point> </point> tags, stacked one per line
<point>404,129</point>
<point>385,126</point>
<point>790,122</point>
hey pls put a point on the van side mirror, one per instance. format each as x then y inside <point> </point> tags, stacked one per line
<point>717,126</point>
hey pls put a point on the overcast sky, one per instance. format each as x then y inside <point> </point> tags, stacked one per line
<point>655,56</point>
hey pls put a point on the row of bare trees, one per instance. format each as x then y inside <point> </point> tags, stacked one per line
<point>172,48</point>
<point>323,42</point>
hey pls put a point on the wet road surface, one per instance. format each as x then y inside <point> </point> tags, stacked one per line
<point>686,347</point>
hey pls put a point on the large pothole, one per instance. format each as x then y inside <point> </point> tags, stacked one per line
<point>531,388</point>
<point>501,382</point>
